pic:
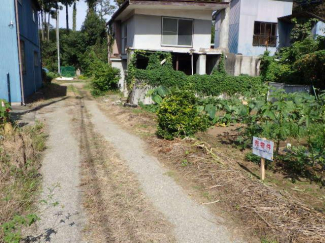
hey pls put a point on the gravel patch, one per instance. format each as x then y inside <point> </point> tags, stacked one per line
<point>60,202</point>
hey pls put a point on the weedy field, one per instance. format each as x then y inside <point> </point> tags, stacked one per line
<point>20,152</point>
<point>214,170</point>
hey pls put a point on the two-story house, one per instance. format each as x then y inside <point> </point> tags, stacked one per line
<point>20,65</point>
<point>248,27</point>
<point>180,27</point>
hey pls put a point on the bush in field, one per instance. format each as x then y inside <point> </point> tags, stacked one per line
<point>301,63</point>
<point>105,78</point>
<point>179,116</point>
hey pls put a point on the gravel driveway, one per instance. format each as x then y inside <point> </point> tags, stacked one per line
<point>192,222</point>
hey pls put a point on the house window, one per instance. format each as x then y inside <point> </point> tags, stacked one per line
<point>265,34</point>
<point>177,32</point>
<point>124,38</point>
<point>36,61</point>
<point>23,58</point>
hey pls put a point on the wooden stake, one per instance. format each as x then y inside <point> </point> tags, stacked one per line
<point>262,169</point>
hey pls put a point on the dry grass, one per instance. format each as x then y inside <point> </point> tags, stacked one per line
<point>19,166</point>
<point>116,207</point>
<point>260,209</point>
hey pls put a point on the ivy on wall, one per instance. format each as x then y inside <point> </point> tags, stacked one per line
<point>160,72</point>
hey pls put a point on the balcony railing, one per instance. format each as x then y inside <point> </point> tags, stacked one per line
<point>264,40</point>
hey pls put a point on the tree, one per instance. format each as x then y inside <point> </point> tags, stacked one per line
<point>91,5</point>
<point>94,29</point>
<point>47,8</point>
<point>95,36</point>
<point>67,3</point>
<point>105,8</point>
<point>312,6</point>
<point>74,24</point>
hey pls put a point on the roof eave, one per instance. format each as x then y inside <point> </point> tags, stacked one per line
<point>118,12</point>
<point>300,14</point>
<point>170,2</point>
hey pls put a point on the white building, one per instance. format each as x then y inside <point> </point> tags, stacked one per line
<point>180,27</point>
<point>244,29</point>
<point>253,26</point>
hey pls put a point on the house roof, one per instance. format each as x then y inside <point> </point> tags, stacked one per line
<point>289,18</point>
<point>215,4</point>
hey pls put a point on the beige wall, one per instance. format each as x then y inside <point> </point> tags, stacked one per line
<point>147,34</point>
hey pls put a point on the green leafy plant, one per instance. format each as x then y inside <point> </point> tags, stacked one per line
<point>277,117</point>
<point>160,72</point>
<point>178,116</point>
<point>253,158</point>
<point>4,111</point>
<point>302,28</point>
<point>12,229</point>
<point>150,108</point>
<point>301,63</point>
<point>105,77</point>
<point>158,94</point>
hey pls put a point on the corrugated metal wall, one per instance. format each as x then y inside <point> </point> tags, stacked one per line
<point>29,35</point>
<point>9,52</point>
<point>234,26</point>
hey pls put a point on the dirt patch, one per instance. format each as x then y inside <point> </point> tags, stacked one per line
<point>116,207</point>
<point>216,174</point>
<point>310,193</point>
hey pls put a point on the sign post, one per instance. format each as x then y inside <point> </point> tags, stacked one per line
<point>262,169</point>
<point>264,149</point>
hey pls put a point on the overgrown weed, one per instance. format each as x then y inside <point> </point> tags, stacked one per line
<point>19,178</point>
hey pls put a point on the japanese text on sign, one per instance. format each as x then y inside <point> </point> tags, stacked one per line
<point>263,148</point>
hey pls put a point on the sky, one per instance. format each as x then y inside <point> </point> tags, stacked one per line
<point>81,15</point>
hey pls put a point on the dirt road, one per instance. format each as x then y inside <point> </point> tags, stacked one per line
<point>109,189</point>
<point>60,208</point>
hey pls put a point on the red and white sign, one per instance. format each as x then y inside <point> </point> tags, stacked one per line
<point>263,148</point>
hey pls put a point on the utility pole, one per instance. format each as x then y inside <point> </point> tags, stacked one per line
<point>58,37</point>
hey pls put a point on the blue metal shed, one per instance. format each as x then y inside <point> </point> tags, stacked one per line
<point>20,65</point>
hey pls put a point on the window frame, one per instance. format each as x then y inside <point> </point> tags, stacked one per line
<point>264,35</point>
<point>124,37</point>
<point>162,31</point>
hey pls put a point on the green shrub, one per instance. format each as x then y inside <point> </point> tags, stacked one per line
<point>82,77</point>
<point>105,78</point>
<point>301,63</point>
<point>214,84</point>
<point>311,67</point>
<point>164,75</point>
<point>4,111</point>
<point>179,116</point>
<point>51,75</point>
